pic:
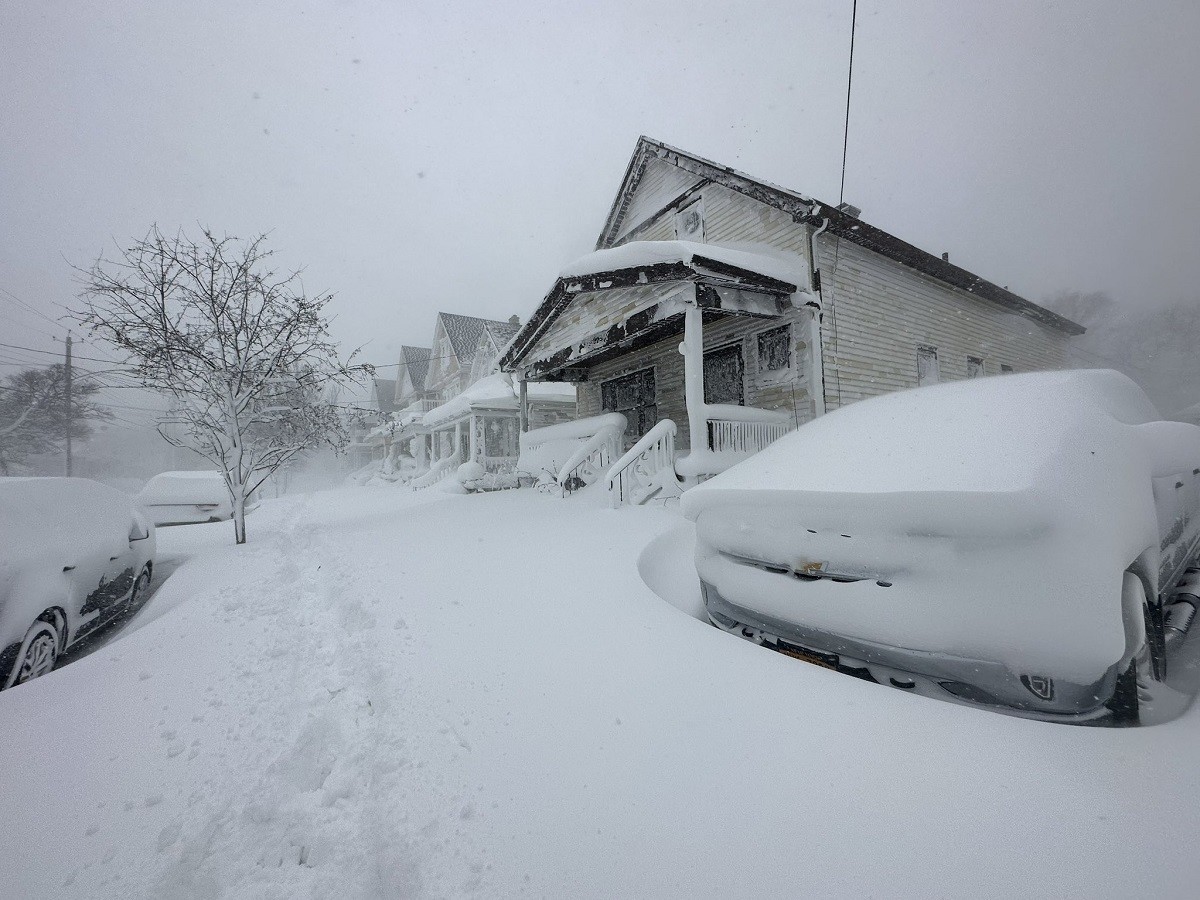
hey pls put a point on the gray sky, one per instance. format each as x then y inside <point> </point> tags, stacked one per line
<point>419,156</point>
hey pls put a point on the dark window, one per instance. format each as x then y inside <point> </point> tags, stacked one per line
<point>633,396</point>
<point>1004,367</point>
<point>500,436</point>
<point>974,367</point>
<point>723,376</point>
<point>775,350</point>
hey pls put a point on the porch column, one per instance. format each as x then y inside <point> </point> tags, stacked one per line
<point>692,349</point>
<point>473,438</point>
<point>457,440</point>
<point>524,389</point>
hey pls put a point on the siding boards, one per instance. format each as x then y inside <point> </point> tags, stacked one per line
<point>659,185</point>
<point>877,313</point>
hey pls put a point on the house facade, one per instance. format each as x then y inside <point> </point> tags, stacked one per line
<point>738,310</point>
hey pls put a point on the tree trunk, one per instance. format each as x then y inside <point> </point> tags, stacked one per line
<point>239,514</point>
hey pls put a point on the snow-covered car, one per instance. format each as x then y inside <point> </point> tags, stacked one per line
<point>1019,541</point>
<point>187,498</point>
<point>74,554</point>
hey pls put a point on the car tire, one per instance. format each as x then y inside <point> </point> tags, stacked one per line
<point>38,655</point>
<point>139,587</point>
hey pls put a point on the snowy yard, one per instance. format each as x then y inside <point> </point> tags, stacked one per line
<point>394,694</point>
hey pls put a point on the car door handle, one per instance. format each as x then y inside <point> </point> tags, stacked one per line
<point>113,558</point>
<point>68,568</point>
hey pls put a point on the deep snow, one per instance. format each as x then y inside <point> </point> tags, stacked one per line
<point>394,694</point>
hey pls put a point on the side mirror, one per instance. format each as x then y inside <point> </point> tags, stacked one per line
<point>1174,447</point>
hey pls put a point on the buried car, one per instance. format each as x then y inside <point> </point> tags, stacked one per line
<point>1020,542</point>
<point>74,554</point>
<point>187,498</point>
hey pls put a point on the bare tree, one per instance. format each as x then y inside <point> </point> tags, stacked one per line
<point>34,417</point>
<point>243,354</point>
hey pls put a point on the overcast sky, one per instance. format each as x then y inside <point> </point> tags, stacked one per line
<point>425,156</point>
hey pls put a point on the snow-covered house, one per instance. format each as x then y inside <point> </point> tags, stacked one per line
<point>787,307</point>
<point>454,406</point>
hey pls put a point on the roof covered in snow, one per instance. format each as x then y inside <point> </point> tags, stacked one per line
<point>385,395</point>
<point>496,392</point>
<point>464,332</point>
<point>813,212</point>
<point>416,361</point>
<point>639,254</point>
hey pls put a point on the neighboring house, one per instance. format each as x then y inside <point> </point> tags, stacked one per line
<point>453,406</point>
<point>455,340</point>
<point>786,307</point>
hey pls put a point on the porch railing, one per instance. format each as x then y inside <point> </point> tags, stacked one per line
<point>744,429</point>
<point>647,468</point>
<point>439,470</point>
<point>593,458</point>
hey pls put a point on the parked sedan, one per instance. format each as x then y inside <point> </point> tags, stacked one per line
<point>74,554</point>
<point>1015,542</point>
<point>187,498</point>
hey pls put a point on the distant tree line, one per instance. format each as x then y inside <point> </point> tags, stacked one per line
<point>34,416</point>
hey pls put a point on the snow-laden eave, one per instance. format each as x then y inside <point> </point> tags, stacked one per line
<point>496,393</point>
<point>652,262</point>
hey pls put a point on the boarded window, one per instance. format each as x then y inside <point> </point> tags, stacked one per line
<point>775,352</point>
<point>974,367</point>
<point>927,366</point>
<point>689,222</point>
<point>633,396</point>
<point>1005,368</point>
<point>724,372</point>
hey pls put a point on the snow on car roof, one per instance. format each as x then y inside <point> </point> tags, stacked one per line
<point>184,487</point>
<point>69,518</point>
<point>986,434</point>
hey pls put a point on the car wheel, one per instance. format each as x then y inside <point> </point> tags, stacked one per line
<point>139,587</point>
<point>39,654</point>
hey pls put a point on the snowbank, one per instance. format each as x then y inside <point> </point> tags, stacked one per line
<point>415,694</point>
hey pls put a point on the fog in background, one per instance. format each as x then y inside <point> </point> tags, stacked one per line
<point>423,156</point>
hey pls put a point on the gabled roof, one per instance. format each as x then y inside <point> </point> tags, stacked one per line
<point>416,361</point>
<point>464,332</point>
<point>813,212</point>
<point>385,395</point>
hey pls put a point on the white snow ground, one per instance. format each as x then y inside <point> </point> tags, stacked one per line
<point>391,694</point>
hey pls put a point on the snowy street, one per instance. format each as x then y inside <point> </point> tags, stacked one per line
<point>394,694</point>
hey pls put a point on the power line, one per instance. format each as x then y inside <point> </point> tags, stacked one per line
<point>849,82</point>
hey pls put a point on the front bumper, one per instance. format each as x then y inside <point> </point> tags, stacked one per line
<point>977,682</point>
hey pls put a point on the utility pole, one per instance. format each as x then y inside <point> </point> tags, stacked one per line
<point>68,399</point>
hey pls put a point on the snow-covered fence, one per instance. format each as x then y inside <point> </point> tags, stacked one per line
<point>647,468</point>
<point>556,450</point>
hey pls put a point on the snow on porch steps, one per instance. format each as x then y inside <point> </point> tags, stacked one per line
<point>394,694</point>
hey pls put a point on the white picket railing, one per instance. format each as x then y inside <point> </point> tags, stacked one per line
<point>743,437</point>
<point>593,458</point>
<point>647,468</point>
<point>438,471</point>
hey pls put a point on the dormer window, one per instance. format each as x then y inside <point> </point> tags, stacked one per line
<point>689,222</point>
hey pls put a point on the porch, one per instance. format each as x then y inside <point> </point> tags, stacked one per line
<point>742,375</point>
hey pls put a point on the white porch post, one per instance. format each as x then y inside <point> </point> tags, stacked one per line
<point>474,439</point>
<point>524,388</point>
<point>692,349</point>
<point>456,453</point>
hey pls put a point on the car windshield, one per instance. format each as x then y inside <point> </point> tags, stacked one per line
<point>645,448</point>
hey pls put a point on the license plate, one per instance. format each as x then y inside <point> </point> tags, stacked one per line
<point>824,660</point>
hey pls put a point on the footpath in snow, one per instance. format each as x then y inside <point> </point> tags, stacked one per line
<point>393,694</point>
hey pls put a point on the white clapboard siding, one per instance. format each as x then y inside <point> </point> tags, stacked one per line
<point>660,184</point>
<point>878,312</point>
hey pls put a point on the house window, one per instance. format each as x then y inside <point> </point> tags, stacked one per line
<point>927,366</point>
<point>500,436</point>
<point>974,367</point>
<point>724,376</point>
<point>633,396</point>
<point>689,222</point>
<point>775,354</point>
<point>1005,368</point>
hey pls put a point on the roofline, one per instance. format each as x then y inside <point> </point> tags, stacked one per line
<point>809,211</point>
